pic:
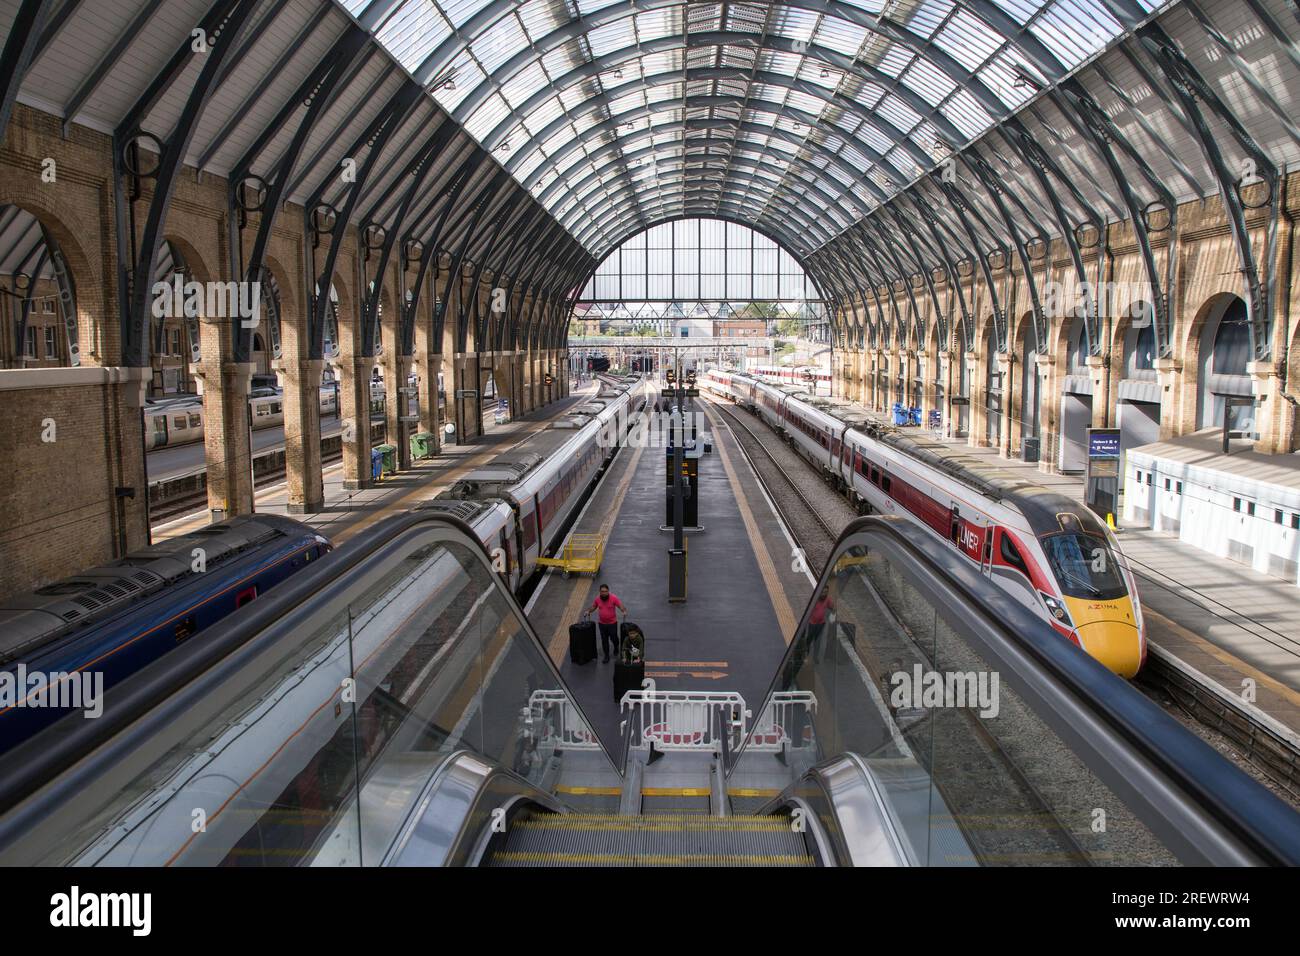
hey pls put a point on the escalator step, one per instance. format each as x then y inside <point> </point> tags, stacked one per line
<point>677,839</point>
<point>522,859</point>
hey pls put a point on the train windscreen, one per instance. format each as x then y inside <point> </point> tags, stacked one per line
<point>1084,566</point>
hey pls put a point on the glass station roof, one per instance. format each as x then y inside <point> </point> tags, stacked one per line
<point>797,117</point>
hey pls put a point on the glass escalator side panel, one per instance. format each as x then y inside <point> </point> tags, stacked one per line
<point>969,772</point>
<point>315,749</point>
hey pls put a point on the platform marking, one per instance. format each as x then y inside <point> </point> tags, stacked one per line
<point>702,675</point>
<point>579,595</point>
<point>785,617</point>
<point>1226,657</point>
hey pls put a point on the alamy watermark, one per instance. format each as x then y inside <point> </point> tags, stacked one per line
<point>214,300</point>
<point>651,429</point>
<point>61,690</point>
<point>922,689</point>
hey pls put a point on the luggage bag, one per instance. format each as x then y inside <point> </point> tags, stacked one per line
<point>582,642</point>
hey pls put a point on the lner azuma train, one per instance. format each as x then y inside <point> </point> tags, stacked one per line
<point>1047,550</point>
<point>520,503</point>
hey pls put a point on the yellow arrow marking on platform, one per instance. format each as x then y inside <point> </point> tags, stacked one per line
<point>649,664</point>
<point>706,675</point>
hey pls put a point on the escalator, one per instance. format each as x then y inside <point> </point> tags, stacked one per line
<point>394,707</point>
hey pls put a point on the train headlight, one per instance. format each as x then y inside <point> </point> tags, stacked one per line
<point>1056,609</point>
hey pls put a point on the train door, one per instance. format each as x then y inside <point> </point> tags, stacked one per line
<point>159,431</point>
<point>954,524</point>
<point>505,552</point>
<point>986,555</point>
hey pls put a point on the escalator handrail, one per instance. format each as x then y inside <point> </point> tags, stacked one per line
<point>61,761</point>
<point>1266,826</point>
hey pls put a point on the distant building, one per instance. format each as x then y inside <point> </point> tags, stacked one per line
<point>739,328</point>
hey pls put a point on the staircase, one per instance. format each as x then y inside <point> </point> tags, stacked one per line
<point>653,839</point>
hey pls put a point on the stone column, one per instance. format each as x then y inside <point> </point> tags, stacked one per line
<point>1009,436</point>
<point>302,434</point>
<point>354,407</point>
<point>467,412</point>
<point>1274,415</point>
<point>1169,373</point>
<point>1101,417</point>
<point>226,438</point>
<point>1049,410</point>
<point>976,414</point>
<point>397,368</point>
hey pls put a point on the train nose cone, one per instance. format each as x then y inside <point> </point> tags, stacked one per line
<point>1115,644</point>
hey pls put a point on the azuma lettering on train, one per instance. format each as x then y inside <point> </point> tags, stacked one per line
<point>75,908</point>
<point>213,300</point>
<point>921,688</point>
<point>63,690</point>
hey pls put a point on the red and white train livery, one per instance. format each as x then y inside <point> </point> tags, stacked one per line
<point>1046,550</point>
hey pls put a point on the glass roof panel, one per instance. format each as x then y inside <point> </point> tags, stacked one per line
<point>529,45</point>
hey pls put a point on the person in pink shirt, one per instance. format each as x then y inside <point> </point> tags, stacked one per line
<point>607,607</point>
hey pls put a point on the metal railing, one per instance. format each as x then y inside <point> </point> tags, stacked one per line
<point>684,720</point>
<point>557,722</point>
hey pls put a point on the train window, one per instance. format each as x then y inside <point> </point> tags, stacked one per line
<point>1149,477</point>
<point>1139,477</point>
<point>195,421</point>
<point>1011,554</point>
<point>884,483</point>
<point>1178,488</point>
<point>1295,522</point>
<point>245,596</point>
<point>275,408</point>
<point>1277,517</point>
<point>1236,504</point>
<point>178,421</point>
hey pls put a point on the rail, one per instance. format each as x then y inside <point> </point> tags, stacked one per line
<point>947,688</point>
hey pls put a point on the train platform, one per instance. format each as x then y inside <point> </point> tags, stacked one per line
<point>745,591</point>
<point>347,512</point>
<point>1222,627</point>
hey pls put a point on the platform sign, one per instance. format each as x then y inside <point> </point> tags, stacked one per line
<point>1103,443</point>
<point>1102,484</point>
<point>503,411</point>
<point>958,400</point>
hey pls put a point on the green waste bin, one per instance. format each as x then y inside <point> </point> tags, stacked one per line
<point>422,445</point>
<point>389,453</point>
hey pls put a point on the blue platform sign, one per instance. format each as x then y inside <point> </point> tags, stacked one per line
<point>1103,442</point>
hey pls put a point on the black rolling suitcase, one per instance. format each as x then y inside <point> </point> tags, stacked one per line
<point>629,666</point>
<point>582,642</point>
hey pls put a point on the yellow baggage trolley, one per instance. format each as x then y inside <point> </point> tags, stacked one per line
<point>581,553</point>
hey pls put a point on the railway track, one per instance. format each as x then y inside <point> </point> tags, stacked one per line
<point>814,533</point>
<point>988,769</point>
<point>1222,721</point>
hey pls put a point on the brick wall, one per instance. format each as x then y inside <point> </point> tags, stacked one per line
<point>59,513</point>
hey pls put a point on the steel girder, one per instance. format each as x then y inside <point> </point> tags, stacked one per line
<point>988,178</point>
<point>1189,87</point>
<point>222,26</point>
<point>417,170</point>
<point>315,93</point>
<point>429,252</point>
<point>317,213</point>
<point>1075,102</point>
<point>18,53</point>
<point>1015,36</point>
<point>1043,166</point>
<point>485,199</point>
<point>494,227</point>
